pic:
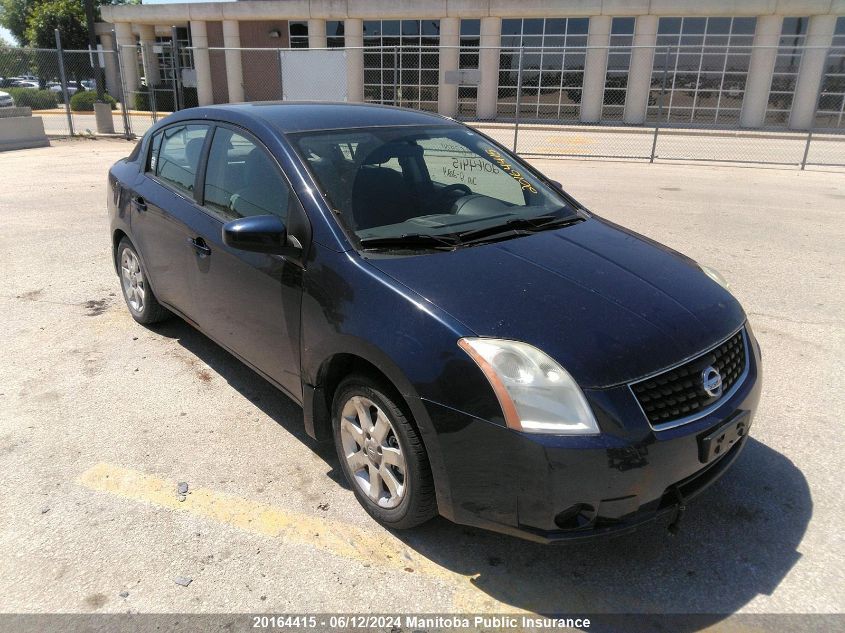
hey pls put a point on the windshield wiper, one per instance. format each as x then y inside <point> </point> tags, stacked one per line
<point>518,226</point>
<point>411,241</point>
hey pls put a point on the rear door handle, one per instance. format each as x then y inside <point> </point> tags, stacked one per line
<point>139,203</point>
<point>199,245</point>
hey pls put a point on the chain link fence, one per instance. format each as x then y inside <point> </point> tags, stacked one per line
<point>663,103</point>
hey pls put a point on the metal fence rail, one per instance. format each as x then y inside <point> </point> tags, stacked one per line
<point>675,103</point>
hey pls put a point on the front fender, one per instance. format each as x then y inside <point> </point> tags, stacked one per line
<point>349,307</point>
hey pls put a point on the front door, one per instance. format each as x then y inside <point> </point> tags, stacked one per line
<point>247,302</point>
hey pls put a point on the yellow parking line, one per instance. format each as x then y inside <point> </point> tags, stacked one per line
<point>336,537</point>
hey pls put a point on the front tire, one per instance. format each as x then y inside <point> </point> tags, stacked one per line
<point>139,297</point>
<point>381,454</point>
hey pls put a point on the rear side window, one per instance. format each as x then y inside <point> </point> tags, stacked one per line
<point>175,155</point>
<point>242,180</point>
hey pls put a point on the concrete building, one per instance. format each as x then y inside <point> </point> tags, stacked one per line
<point>755,63</point>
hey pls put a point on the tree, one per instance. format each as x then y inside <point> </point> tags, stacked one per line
<point>14,14</point>
<point>66,15</point>
<point>38,18</point>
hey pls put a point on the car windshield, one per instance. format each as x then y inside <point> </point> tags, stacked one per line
<point>428,187</point>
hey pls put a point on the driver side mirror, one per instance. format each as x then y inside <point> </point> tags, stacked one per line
<point>260,234</point>
<point>556,185</point>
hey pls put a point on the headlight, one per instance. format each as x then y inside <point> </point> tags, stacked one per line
<point>537,395</point>
<point>715,276</point>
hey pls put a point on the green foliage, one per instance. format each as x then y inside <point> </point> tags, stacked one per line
<point>14,14</point>
<point>164,99</point>
<point>83,101</point>
<point>66,15</point>
<point>33,98</point>
<point>25,18</point>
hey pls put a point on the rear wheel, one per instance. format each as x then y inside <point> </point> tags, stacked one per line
<point>382,454</point>
<point>139,297</point>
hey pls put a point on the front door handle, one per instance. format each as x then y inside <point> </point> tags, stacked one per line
<point>139,203</point>
<point>199,245</point>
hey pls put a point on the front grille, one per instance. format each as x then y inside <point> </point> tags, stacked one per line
<point>679,392</point>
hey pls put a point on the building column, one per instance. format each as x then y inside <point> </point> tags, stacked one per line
<point>819,34</point>
<point>202,63</point>
<point>128,59</point>
<point>316,33</point>
<point>234,63</point>
<point>760,69</point>
<point>639,73</point>
<point>353,31</point>
<point>110,69</point>
<point>595,68</point>
<point>147,35</point>
<point>450,42</point>
<point>488,64</point>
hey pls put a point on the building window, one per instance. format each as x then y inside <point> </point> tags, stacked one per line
<point>298,31</point>
<point>553,54</point>
<point>402,62</point>
<point>334,34</point>
<point>793,36</point>
<point>470,39</point>
<point>618,64</point>
<point>831,108</point>
<point>704,65</point>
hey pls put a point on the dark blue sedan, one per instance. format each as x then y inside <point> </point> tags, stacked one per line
<point>474,341</point>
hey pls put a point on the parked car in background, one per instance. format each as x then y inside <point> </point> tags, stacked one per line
<point>6,100</point>
<point>72,88</point>
<point>474,341</point>
<point>24,83</point>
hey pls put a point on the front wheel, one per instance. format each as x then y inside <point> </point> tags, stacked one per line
<point>382,454</point>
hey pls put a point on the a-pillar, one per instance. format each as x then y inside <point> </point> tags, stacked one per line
<point>234,62</point>
<point>353,32</point>
<point>128,59</point>
<point>488,65</point>
<point>202,63</point>
<point>450,41</point>
<point>639,74</point>
<point>760,69</point>
<point>819,38</point>
<point>595,68</point>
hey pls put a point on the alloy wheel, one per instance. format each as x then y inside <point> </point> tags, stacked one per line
<point>373,452</point>
<point>132,278</point>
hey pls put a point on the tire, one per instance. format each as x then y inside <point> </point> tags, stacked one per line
<point>139,297</point>
<point>417,502</point>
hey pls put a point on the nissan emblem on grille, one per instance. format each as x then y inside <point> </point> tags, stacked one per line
<point>711,380</point>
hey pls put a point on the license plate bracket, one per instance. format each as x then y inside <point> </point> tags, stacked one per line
<point>719,441</point>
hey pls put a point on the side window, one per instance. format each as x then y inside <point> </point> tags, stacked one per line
<point>242,180</point>
<point>175,154</point>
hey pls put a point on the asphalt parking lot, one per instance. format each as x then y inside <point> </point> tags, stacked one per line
<point>100,419</point>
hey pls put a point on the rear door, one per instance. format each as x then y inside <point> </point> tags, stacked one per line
<point>248,302</point>
<point>162,209</point>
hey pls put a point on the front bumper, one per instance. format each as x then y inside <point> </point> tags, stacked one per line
<point>549,488</point>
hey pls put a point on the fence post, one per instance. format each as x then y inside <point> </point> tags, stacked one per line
<point>395,74</point>
<point>63,78</point>
<point>124,95</point>
<point>816,109</point>
<point>518,99</point>
<point>151,91</point>
<point>659,106</point>
<point>178,98</point>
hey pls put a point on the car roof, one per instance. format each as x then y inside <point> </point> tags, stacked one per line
<point>300,116</point>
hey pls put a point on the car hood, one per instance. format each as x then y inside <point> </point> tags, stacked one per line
<point>609,305</point>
